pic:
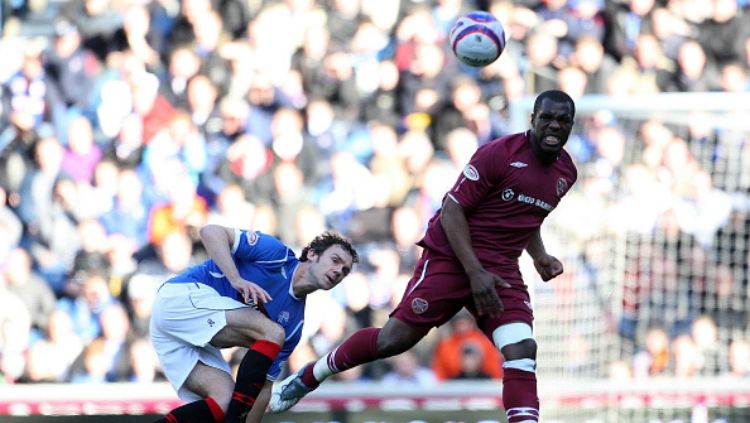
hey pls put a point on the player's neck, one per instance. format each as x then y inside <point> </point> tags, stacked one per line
<point>301,282</point>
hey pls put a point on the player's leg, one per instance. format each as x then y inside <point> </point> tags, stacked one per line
<point>363,346</point>
<point>264,338</point>
<point>516,342</point>
<point>512,334</point>
<point>435,293</point>
<point>191,322</point>
<point>180,334</point>
<point>214,386</point>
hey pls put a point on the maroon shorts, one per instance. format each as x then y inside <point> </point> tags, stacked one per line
<point>439,288</point>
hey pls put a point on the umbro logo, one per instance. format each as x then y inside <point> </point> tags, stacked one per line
<point>518,164</point>
<point>210,322</point>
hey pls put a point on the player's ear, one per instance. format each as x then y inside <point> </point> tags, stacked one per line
<point>311,254</point>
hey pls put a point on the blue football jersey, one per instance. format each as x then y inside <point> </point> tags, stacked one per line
<point>267,262</point>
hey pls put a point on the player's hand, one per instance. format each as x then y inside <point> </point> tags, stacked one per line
<point>548,267</point>
<point>484,292</point>
<point>251,292</point>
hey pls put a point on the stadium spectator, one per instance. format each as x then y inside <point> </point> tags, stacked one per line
<point>585,18</point>
<point>143,362</point>
<point>471,364</point>
<point>138,299</point>
<point>464,95</point>
<point>96,21</point>
<point>36,188</point>
<point>653,358</point>
<point>116,335</point>
<point>66,345</point>
<point>705,336</point>
<point>94,364</point>
<point>56,238</point>
<point>129,213</point>
<point>14,338</point>
<point>81,154</point>
<point>231,208</point>
<point>44,364</point>
<point>542,50</point>
<point>407,369</point>
<point>619,371</point>
<point>625,21</point>
<point>184,64</point>
<point>11,227</point>
<point>135,35</point>
<point>32,290</point>
<point>739,359</point>
<point>92,255</point>
<point>87,304</point>
<point>484,359</point>
<point>406,229</point>
<point>686,358</point>
<point>70,69</point>
<point>588,54</point>
<point>722,32</point>
<point>694,71</point>
<point>184,213</point>
<point>202,101</point>
<point>179,140</point>
<point>126,147</point>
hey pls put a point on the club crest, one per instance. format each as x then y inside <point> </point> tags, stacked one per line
<point>471,173</point>
<point>419,305</point>
<point>562,186</point>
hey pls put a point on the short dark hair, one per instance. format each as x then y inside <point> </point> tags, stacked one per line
<point>324,241</point>
<point>554,95</point>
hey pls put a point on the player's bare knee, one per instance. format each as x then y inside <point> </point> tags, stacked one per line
<point>206,381</point>
<point>523,349</point>
<point>222,395</point>
<point>396,337</point>
<point>275,333</point>
<point>394,343</point>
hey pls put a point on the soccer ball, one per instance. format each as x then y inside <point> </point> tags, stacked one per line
<point>477,38</point>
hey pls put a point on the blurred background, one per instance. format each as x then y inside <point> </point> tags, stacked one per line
<point>125,125</point>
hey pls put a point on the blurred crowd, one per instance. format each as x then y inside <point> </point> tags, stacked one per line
<point>126,125</point>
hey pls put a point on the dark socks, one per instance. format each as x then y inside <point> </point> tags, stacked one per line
<point>251,377</point>
<point>203,411</point>
<point>360,348</point>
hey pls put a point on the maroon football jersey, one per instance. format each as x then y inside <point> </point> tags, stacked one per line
<point>506,192</point>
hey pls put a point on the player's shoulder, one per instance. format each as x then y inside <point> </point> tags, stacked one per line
<point>567,161</point>
<point>507,144</point>
<point>509,140</point>
<point>568,166</point>
<point>262,241</point>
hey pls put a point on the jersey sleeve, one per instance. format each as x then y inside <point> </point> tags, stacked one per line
<point>480,176</point>
<point>258,247</point>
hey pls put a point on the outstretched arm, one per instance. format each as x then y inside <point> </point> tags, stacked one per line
<point>547,265</point>
<point>218,241</point>
<point>483,283</point>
